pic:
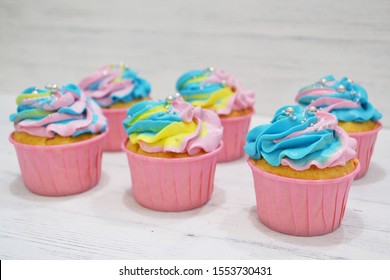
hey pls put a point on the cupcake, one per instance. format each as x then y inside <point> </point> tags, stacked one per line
<point>172,150</point>
<point>348,101</point>
<point>115,88</point>
<point>58,138</point>
<point>303,165</point>
<point>220,92</point>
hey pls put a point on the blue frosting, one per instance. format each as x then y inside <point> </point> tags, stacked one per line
<point>40,107</point>
<point>189,91</point>
<point>353,92</point>
<point>140,89</point>
<point>262,141</point>
<point>154,123</point>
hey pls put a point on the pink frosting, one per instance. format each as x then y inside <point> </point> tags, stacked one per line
<point>344,154</point>
<point>103,95</point>
<point>89,118</point>
<point>194,143</point>
<point>242,99</point>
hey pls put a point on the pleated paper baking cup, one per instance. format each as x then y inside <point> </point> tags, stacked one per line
<point>301,207</point>
<point>365,148</point>
<point>172,184</point>
<point>233,137</point>
<point>116,133</point>
<point>61,169</point>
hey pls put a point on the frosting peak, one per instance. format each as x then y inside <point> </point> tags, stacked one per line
<point>172,125</point>
<point>344,98</point>
<point>215,90</point>
<point>64,111</point>
<point>112,84</point>
<point>301,137</point>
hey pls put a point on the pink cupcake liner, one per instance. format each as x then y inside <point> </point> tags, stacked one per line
<point>301,207</point>
<point>172,184</point>
<point>233,137</point>
<point>117,133</point>
<point>365,148</point>
<point>61,169</point>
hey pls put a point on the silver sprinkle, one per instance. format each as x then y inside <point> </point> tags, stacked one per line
<point>312,109</point>
<point>170,99</point>
<point>350,81</point>
<point>51,87</point>
<point>211,69</point>
<point>294,118</point>
<point>224,83</point>
<point>322,81</point>
<point>177,95</point>
<point>289,111</point>
<point>341,88</point>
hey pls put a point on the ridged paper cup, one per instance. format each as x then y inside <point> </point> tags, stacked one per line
<point>116,133</point>
<point>301,207</point>
<point>233,137</point>
<point>365,148</point>
<point>61,169</point>
<point>172,184</point>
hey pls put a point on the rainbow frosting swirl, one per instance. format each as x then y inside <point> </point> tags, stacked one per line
<point>172,125</point>
<point>112,84</point>
<point>64,111</point>
<point>301,137</point>
<point>215,90</point>
<point>345,99</point>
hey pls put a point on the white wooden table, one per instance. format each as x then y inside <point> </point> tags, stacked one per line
<point>107,223</point>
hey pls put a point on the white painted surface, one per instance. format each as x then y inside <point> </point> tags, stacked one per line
<point>273,47</point>
<point>107,223</point>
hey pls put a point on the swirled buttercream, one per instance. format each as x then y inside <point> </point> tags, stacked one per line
<point>172,125</point>
<point>301,137</point>
<point>215,90</point>
<point>344,98</point>
<point>65,111</point>
<point>112,84</point>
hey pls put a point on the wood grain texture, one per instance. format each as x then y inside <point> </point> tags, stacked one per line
<point>273,47</point>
